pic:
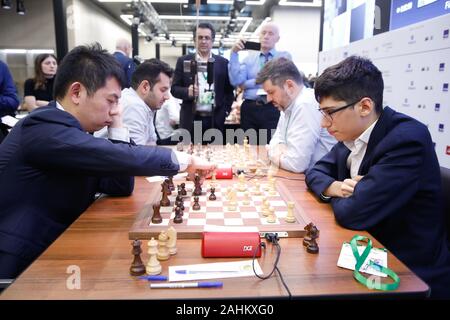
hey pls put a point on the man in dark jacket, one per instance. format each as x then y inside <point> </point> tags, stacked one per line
<point>8,97</point>
<point>198,103</point>
<point>51,167</point>
<point>383,176</point>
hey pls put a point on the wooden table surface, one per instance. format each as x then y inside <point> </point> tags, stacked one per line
<point>98,244</point>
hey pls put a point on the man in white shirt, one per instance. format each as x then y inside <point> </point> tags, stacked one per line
<point>166,120</point>
<point>150,85</point>
<point>299,141</point>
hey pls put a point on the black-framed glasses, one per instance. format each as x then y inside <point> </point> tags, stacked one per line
<point>329,111</point>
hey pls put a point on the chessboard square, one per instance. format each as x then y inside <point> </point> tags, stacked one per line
<point>249,208</point>
<point>214,209</point>
<point>231,215</point>
<point>252,222</point>
<point>196,222</point>
<point>233,222</point>
<point>203,198</point>
<point>258,198</point>
<point>214,215</point>
<point>215,204</point>
<point>215,222</point>
<point>250,215</point>
<point>281,214</point>
<point>277,203</point>
<point>165,209</point>
<point>165,222</point>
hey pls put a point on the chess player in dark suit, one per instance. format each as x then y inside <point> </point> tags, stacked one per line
<point>51,167</point>
<point>193,108</point>
<point>383,176</point>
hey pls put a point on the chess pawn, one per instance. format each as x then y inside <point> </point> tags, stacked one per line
<point>163,251</point>
<point>246,200</point>
<point>171,244</point>
<point>272,190</point>
<point>137,266</point>
<point>178,215</point>
<point>196,205</point>
<point>153,266</point>
<point>242,186</point>
<point>257,191</point>
<point>156,218</point>
<point>265,207</point>
<point>271,218</point>
<point>290,218</point>
<point>212,196</point>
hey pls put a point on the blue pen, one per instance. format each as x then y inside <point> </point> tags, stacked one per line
<point>154,278</point>
<point>206,284</point>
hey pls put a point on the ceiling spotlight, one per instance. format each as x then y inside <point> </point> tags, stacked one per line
<point>20,7</point>
<point>6,4</point>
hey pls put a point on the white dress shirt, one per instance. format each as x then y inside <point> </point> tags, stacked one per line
<point>358,150</point>
<point>138,118</point>
<point>299,130</point>
<point>169,112</point>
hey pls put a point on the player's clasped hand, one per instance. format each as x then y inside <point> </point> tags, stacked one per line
<point>200,166</point>
<point>348,186</point>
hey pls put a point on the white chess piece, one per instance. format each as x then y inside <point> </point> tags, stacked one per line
<point>290,218</point>
<point>163,251</point>
<point>153,266</point>
<point>246,200</point>
<point>172,242</point>
<point>271,218</point>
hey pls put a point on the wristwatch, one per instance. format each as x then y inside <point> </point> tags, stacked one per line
<point>324,197</point>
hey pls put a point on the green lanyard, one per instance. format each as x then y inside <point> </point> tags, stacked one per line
<point>370,282</point>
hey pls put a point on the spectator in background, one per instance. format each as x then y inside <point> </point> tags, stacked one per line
<point>122,54</point>
<point>256,112</point>
<point>167,121</point>
<point>38,91</point>
<point>8,97</point>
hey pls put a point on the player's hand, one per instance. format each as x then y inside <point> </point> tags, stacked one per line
<point>238,46</point>
<point>200,166</point>
<point>348,186</point>
<point>116,115</point>
<point>193,91</point>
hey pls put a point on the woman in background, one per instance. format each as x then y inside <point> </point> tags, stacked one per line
<point>38,91</point>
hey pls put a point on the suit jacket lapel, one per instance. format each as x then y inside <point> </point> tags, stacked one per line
<point>378,133</point>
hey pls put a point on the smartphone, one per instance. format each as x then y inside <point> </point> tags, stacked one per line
<point>250,45</point>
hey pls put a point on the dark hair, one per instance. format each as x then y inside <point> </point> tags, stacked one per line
<point>205,25</point>
<point>150,71</point>
<point>278,71</point>
<point>89,65</point>
<point>39,76</point>
<point>351,79</point>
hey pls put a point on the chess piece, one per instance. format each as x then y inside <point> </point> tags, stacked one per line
<point>137,267</point>
<point>197,186</point>
<point>178,215</point>
<point>257,191</point>
<point>179,202</point>
<point>171,244</point>
<point>196,205</point>
<point>242,187</point>
<point>265,207</point>
<point>246,200</point>
<point>271,218</point>
<point>313,247</point>
<point>163,251</point>
<point>156,218</point>
<point>307,238</point>
<point>153,266</point>
<point>290,218</point>
<point>232,200</point>
<point>165,202</point>
<point>212,196</point>
<point>171,184</point>
<point>183,189</point>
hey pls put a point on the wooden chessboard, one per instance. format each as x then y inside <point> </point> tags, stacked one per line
<point>217,213</point>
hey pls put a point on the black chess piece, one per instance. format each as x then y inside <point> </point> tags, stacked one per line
<point>307,238</point>
<point>198,187</point>
<point>156,218</point>
<point>313,247</point>
<point>171,184</point>
<point>179,202</point>
<point>165,202</point>
<point>137,267</point>
<point>196,205</point>
<point>178,216</point>
<point>183,189</point>
<point>212,196</point>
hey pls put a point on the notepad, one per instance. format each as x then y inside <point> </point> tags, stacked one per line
<point>347,260</point>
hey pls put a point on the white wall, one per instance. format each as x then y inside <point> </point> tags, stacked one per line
<point>87,24</point>
<point>34,30</point>
<point>300,35</point>
<point>167,53</point>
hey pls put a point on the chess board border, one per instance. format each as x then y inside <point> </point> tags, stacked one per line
<point>141,230</point>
